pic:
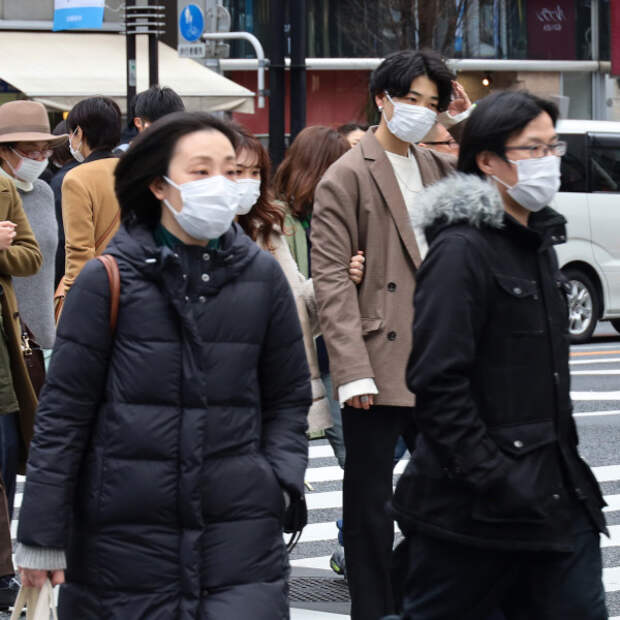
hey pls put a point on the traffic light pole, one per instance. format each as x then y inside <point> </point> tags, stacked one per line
<point>298,67</point>
<point>276,83</point>
<point>130,39</point>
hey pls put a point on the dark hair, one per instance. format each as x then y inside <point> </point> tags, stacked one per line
<point>398,70</point>
<point>156,102</point>
<point>347,128</point>
<point>268,214</point>
<point>148,158</point>
<point>313,151</point>
<point>99,119</point>
<point>494,120</point>
<point>62,154</point>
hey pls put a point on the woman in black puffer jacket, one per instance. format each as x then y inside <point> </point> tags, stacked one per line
<point>164,455</point>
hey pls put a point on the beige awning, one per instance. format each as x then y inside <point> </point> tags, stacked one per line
<point>59,69</point>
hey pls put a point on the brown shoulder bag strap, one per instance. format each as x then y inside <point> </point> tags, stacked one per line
<point>114,277</point>
<point>108,230</point>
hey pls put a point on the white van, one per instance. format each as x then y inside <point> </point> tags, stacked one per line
<point>589,198</point>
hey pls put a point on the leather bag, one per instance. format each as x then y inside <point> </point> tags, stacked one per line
<point>33,356</point>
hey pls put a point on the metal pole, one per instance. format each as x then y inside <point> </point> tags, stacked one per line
<point>276,83</point>
<point>598,79</point>
<point>298,67</point>
<point>153,54</point>
<point>260,55</point>
<point>130,39</point>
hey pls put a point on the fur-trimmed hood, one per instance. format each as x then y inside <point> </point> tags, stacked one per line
<point>459,199</point>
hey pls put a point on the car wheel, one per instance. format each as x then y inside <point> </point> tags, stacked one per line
<point>583,306</point>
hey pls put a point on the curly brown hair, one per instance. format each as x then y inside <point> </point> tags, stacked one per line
<point>313,151</point>
<point>266,213</point>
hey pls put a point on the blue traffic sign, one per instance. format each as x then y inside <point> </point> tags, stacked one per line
<point>191,22</point>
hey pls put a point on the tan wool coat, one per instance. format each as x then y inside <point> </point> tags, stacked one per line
<point>319,416</point>
<point>23,259</point>
<point>359,206</point>
<point>90,213</point>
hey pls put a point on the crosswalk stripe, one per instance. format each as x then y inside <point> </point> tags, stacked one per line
<point>609,360</point>
<point>333,473</point>
<point>312,614</point>
<point>320,452</point>
<point>593,414</point>
<point>613,503</point>
<point>595,395</point>
<point>611,579</point>
<point>605,371</point>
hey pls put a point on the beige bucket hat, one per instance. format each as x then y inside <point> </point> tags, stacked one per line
<point>26,121</point>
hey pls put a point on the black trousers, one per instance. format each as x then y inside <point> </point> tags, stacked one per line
<point>370,438</point>
<point>448,580</point>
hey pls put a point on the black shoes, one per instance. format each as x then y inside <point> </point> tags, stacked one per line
<point>9,587</point>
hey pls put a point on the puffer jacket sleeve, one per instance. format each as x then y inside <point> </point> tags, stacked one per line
<point>286,394</point>
<point>452,293</point>
<point>67,411</point>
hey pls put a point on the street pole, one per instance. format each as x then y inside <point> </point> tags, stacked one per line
<point>276,83</point>
<point>153,52</point>
<point>298,66</point>
<point>130,39</point>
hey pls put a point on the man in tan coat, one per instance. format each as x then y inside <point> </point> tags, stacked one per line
<point>365,202</point>
<point>90,211</point>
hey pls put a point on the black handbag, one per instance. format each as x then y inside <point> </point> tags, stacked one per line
<point>33,356</point>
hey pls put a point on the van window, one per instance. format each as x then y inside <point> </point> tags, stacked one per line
<point>604,162</point>
<point>573,166</point>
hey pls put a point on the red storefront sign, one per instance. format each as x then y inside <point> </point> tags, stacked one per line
<point>615,37</point>
<point>551,30</point>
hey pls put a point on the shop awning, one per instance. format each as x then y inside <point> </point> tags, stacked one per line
<point>60,69</point>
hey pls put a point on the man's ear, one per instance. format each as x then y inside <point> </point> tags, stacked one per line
<point>137,121</point>
<point>485,160</point>
<point>380,101</point>
<point>157,187</point>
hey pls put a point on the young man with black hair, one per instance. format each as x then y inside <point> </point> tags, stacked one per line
<point>147,107</point>
<point>150,105</point>
<point>365,202</point>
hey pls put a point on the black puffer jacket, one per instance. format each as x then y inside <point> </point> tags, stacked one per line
<point>496,461</point>
<point>159,456</point>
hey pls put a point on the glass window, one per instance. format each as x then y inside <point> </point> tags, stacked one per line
<point>604,163</point>
<point>573,164</point>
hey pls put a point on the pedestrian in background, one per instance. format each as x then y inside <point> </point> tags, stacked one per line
<point>363,204</point>
<point>497,505</point>
<point>441,140</point>
<point>263,219</point>
<point>353,132</point>
<point>306,160</point>
<point>19,256</point>
<point>25,148</point>
<point>149,106</point>
<point>62,161</point>
<point>169,451</point>
<point>90,210</point>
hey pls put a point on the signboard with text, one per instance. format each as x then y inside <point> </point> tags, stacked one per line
<point>78,14</point>
<point>551,30</point>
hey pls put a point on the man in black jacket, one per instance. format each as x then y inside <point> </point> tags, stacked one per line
<point>496,503</point>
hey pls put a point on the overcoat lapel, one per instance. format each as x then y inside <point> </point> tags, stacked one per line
<point>383,174</point>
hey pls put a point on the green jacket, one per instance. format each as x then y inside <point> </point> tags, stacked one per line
<point>295,234</point>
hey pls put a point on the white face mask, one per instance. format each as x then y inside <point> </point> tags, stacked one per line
<point>209,206</point>
<point>410,123</point>
<point>28,169</point>
<point>538,181</point>
<point>76,152</point>
<point>249,190</point>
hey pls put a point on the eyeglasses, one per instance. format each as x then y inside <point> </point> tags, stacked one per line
<point>451,143</point>
<point>541,150</point>
<point>35,154</point>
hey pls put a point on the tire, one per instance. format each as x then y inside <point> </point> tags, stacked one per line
<point>584,306</point>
